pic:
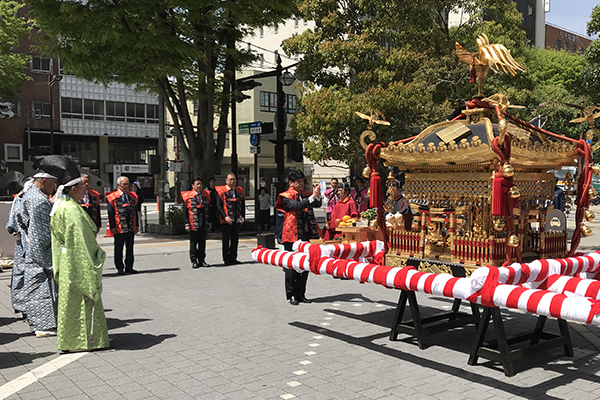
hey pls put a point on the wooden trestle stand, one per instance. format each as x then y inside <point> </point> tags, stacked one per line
<point>421,327</point>
<point>495,350</point>
<point>499,350</point>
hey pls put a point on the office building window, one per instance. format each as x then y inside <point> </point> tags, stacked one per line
<point>120,152</point>
<point>290,104</point>
<point>84,153</point>
<point>115,111</point>
<point>71,108</point>
<point>136,112</point>
<point>296,22</point>
<point>41,109</point>
<point>558,44</point>
<point>305,22</point>
<point>276,30</point>
<point>268,102</point>
<point>261,32</point>
<point>574,48</point>
<point>151,113</point>
<point>93,109</point>
<point>13,152</point>
<point>40,64</point>
<point>62,70</point>
<point>264,101</point>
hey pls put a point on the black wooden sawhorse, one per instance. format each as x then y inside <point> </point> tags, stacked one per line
<point>421,327</point>
<point>499,350</point>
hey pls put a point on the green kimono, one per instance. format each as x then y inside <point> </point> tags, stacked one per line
<point>78,261</point>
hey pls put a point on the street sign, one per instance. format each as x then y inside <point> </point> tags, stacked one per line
<point>244,129</point>
<point>254,149</point>
<point>256,127</point>
<point>254,139</point>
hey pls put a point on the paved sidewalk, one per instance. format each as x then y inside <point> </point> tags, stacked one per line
<point>228,333</point>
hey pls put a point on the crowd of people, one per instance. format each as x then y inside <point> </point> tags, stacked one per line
<point>56,217</point>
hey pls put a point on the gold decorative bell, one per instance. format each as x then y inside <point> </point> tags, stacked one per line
<point>374,225</point>
<point>513,240</point>
<point>366,172</point>
<point>502,125</point>
<point>514,192</point>
<point>585,230</point>
<point>508,170</point>
<point>589,215</point>
<point>596,169</point>
<point>592,192</point>
<point>499,225</point>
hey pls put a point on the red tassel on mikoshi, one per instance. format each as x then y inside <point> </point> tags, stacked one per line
<point>473,71</point>
<point>498,195</point>
<point>376,196</point>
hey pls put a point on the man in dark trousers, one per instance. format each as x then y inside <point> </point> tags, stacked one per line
<point>232,210</point>
<point>91,202</point>
<point>196,203</point>
<point>122,219</point>
<point>299,223</point>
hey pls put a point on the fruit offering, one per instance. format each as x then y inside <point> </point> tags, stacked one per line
<point>345,221</point>
<point>370,214</point>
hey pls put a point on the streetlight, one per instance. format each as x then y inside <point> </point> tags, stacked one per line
<point>283,79</point>
<point>52,79</point>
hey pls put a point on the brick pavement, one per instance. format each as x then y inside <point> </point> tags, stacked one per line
<point>228,333</point>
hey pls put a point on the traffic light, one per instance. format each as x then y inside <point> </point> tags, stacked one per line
<point>242,85</point>
<point>295,150</point>
<point>154,164</point>
<point>267,127</point>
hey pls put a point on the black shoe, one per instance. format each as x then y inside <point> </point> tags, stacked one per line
<point>205,265</point>
<point>120,272</point>
<point>195,265</point>
<point>293,301</point>
<point>130,271</point>
<point>305,300</point>
<point>234,262</point>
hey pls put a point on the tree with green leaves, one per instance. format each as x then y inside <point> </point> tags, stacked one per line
<point>591,73</point>
<point>183,49</point>
<point>12,64</point>
<point>393,56</point>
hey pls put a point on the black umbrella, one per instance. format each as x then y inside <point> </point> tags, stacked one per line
<point>63,168</point>
<point>13,181</point>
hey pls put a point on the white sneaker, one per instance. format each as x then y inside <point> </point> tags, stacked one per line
<point>45,333</point>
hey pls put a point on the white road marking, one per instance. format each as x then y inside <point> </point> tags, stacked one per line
<point>317,337</point>
<point>12,387</point>
<point>300,372</point>
<point>314,344</point>
<point>287,396</point>
<point>309,353</point>
<point>305,362</point>
<point>294,383</point>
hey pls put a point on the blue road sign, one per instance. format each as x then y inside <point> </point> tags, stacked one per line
<point>256,127</point>
<point>253,139</point>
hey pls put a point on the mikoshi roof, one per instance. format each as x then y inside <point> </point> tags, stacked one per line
<point>466,144</point>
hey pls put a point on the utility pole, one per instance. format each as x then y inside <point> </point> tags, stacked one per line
<point>280,126</point>
<point>161,158</point>
<point>234,156</point>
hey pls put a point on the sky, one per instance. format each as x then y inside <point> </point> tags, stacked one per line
<point>571,14</point>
